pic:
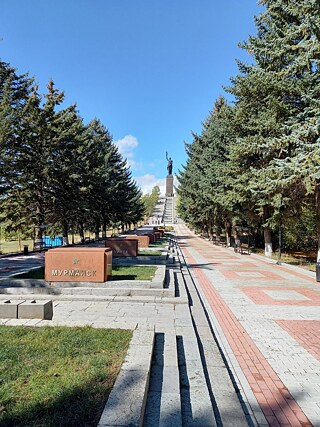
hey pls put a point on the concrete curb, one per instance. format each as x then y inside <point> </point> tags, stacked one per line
<point>111,298</point>
<point>126,403</point>
<point>156,287</point>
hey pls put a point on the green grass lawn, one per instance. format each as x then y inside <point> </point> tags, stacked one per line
<point>149,253</point>
<point>119,272</point>
<point>159,242</point>
<point>14,246</point>
<point>57,376</point>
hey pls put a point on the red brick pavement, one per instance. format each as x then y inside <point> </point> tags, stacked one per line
<point>306,332</point>
<point>278,406</point>
<point>258,296</point>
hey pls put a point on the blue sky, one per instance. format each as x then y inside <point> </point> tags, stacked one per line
<point>150,70</point>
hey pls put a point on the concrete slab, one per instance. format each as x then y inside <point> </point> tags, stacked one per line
<point>33,309</point>
<point>9,308</point>
<point>126,403</point>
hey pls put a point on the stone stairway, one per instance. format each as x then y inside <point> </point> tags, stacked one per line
<point>168,211</point>
<point>158,212</point>
<point>164,212</point>
<point>190,382</point>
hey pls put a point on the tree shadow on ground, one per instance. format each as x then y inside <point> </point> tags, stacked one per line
<point>78,407</point>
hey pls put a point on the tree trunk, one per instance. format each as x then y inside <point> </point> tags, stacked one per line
<point>104,229</point>
<point>218,234</point>
<point>96,231</point>
<point>267,242</point>
<point>81,233</point>
<point>228,233</point>
<point>39,227</point>
<point>317,197</point>
<point>235,235</point>
<point>65,238</point>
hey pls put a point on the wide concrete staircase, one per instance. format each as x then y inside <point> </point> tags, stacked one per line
<point>190,382</point>
<point>164,212</point>
<point>158,212</point>
<point>169,211</point>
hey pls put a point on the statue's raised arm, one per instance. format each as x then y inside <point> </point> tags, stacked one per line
<point>169,166</point>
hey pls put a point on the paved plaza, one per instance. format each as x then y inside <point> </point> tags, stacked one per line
<point>268,319</point>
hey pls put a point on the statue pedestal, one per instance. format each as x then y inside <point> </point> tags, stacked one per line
<point>169,186</point>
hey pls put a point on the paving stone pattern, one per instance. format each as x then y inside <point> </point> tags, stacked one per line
<point>269,320</point>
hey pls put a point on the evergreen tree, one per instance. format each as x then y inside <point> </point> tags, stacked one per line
<point>205,200</point>
<point>264,102</point>
<point>14,94</point>
<point>298,46</point>
<point>67,133</point>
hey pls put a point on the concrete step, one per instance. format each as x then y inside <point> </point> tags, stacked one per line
<point>127,400</point>
<point>87,291</point>
<point>163,406</point>
<point>225,397</point>
<point>197,408</point>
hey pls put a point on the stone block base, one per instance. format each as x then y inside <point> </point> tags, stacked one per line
<point>169,186</point>
<point>35,310</point>
<point>9,309</point>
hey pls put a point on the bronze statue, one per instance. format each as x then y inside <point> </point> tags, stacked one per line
<point>169,166</point>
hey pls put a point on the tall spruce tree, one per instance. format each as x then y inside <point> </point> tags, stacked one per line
<point>294,56</point>
<point>14,94</point>
<point>205,200</point>
<point>264,101</point>
<point>54,170</point>
<point>66,133</point>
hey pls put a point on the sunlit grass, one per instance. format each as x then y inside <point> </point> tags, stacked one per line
<point>119,272</point>
<point>57,376</point>
<point>149,253</point>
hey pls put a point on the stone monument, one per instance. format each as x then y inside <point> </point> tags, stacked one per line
<point>78,264</point>
<point>122,247</point>
<point>169,179</point>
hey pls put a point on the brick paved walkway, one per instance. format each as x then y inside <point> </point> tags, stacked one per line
<point>270,319</point>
